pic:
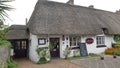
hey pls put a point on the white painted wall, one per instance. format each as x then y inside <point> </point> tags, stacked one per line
<point>34,43</point>
<point>33,56</point>
<point>91,48</point>
<point>67,42</point>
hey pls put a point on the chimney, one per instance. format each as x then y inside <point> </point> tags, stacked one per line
<point>71,2</point>
<point>91,6</point>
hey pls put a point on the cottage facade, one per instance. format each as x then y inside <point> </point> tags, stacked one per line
<point>67,25</point>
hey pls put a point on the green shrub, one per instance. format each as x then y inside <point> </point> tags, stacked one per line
<point>111,51</point>
<point>4,42</point>
<point>42,60</point>
<point>67,51</point>
<point>11,63</point>
<point>117,45</point>
<point>117,53</point>
<point>44,54</point>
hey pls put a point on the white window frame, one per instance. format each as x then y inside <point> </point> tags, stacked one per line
<point>100,40</point>
<point>74,42</point>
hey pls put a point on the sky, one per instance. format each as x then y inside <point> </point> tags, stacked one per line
<point>24,8</point>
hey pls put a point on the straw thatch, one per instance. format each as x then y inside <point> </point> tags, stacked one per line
<point>58,18</point>
<point>17,32</point>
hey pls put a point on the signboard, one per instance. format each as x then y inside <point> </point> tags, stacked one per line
<point>83,49</point>
<point>89,40</point>
<point>41,41</point>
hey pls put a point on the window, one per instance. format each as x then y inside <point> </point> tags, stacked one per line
<point>23,44</point>
<point>100,40</point>
<point>74,41</point>
<point>17,45</point>
<point>41,41</point>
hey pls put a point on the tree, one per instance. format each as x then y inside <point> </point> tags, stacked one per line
<point>3,8</point>
<point>3,14</point>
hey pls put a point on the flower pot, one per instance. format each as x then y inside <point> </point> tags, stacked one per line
<point>114,56</point>
<point>102,58</point>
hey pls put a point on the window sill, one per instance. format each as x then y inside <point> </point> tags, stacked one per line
<point>99,46</point>
<point>72,48</point>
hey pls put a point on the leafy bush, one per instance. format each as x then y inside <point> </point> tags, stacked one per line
<point>3,33</point>
<point>117,45</point>
<point>4,42</point>
<point>42,60</point>
<point>111,51</point>
<point>52,46</point>
<point>117,53</point>
<point>67,52</point>
<point>44,54</point>
<point>117,38</point>
<point>11,63</point>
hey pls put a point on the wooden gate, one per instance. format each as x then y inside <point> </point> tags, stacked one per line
<point>20,48</point>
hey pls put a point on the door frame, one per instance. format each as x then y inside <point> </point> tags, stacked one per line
<point>27,46</point>
<point>59,45</point>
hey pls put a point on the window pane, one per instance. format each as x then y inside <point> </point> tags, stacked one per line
<point>74,41</point>
<point>100,40</point>
<point>74,38</point>
<point>23,44</point>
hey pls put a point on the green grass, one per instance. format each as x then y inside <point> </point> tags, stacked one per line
<point>93,55</point>
<point>75,57</point>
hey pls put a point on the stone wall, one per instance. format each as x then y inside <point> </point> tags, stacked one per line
<point>4,54</point>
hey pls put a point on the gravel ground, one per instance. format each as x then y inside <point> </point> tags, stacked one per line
<point>89,62</point>
<point>25,63</point>
<point>96,62</point>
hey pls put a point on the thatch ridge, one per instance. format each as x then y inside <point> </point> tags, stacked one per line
<point>17,32</point>
<point>58,18</point>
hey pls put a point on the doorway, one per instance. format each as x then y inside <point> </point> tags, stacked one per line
<point>55,51</point>
<point>20,48</point>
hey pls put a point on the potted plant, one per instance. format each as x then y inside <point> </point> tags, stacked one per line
<point>102,56</point>
<point>114,56</point>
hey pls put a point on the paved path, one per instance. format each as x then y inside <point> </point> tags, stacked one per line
<point>93,62</point>
<point>24,63</point>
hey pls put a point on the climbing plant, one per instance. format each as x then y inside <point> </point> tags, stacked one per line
<point>117,38</point>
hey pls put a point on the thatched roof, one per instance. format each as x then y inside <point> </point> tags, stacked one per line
<point>58,18</point>
<point>17,32</point>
